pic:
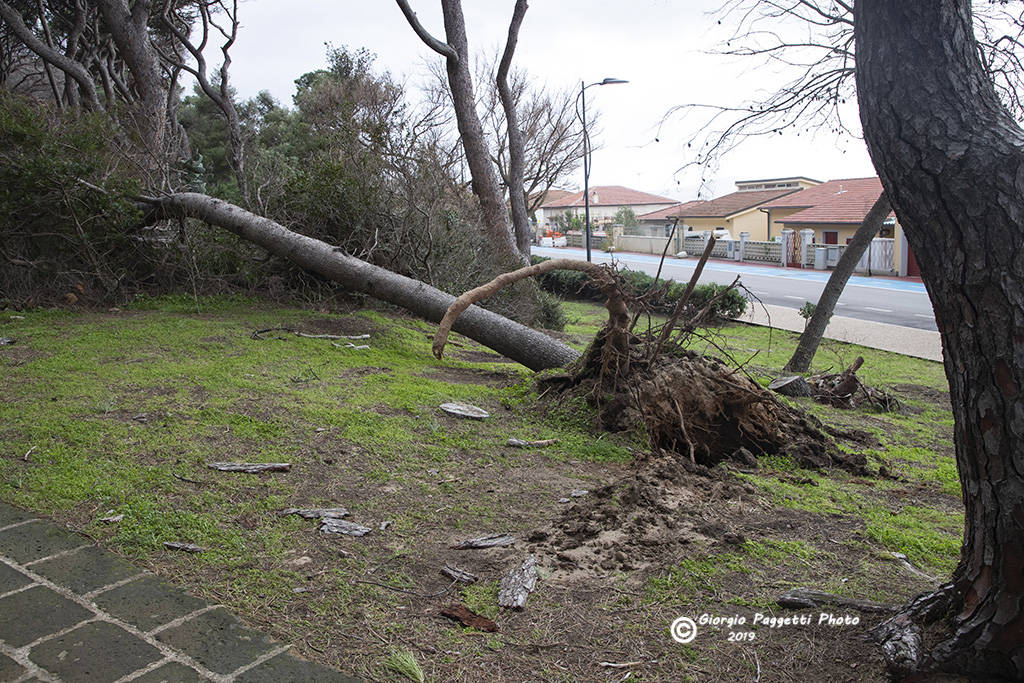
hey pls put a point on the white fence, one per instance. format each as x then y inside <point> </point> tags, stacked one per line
<point>878,260</point>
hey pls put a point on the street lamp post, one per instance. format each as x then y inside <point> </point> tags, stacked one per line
<point>586,154</point>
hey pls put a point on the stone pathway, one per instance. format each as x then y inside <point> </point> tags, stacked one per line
<point>70,611</point>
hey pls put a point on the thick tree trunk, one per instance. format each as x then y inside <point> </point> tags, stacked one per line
<point>533,349</point>
<point>952,162</point>
<point>129,27</point>
<point>815,329</point>
<point>484,177</point>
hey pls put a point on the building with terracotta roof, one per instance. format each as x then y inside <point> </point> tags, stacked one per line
<point>736,212</point>
<point>834,210</point>
<point>605,202</point>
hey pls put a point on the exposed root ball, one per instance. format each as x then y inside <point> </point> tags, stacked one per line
<point>707,412</point>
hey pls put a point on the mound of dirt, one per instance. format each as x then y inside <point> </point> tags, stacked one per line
<point>633,524</point>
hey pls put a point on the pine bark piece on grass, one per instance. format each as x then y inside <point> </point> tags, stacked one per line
<point>457,574</point>
<point>480,542</point>
<point>316,513</point>
<point>803,598</point>
<point>520,443</point>
<point>250,467</point>
<point>793,385</point>
<point>333,525</point>
<point>469,618</point>
<point>185,547</point>
<point>465,410</point>
<point>517,585</point>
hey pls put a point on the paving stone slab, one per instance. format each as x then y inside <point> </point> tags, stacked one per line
<point>11,579</point>
<point>12,515</point>
<point>172,672</point>
<point>218,641</point>
<point>285,668</point>
<point>86,570</point>
<point>148,602</point>
<point>36,612</point>
<point>99,651</point>
<point>9,669</point>
<point>37,540</point>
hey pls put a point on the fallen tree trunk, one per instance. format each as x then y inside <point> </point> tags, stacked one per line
<point>533,349</point>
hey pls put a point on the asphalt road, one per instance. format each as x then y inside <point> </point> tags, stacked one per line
<point>885,300</point>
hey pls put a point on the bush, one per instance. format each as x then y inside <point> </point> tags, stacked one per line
<point>574,284</point>
<point>58,234</point>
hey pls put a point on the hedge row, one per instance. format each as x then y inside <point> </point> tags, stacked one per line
<point>573,283</point>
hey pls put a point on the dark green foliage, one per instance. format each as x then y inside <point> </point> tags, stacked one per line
<point>574,284</point>
<point>56,231</point>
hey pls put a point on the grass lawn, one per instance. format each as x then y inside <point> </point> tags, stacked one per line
<point>122,410</point>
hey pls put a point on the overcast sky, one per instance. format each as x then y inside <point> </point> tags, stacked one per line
<point>660,46</point>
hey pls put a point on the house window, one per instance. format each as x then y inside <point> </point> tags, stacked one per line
<point>831,236</point>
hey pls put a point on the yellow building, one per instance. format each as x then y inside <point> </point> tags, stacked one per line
<point>833,210</point>
<point>738,211</point>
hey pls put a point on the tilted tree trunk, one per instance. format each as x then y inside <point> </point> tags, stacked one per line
<point>73,70</point>
<point>516,141</point>
<point>815,329</point>
<point>951,159</point>
<point>533,349</point>
<point>483,175</point>
<point>129,27</point>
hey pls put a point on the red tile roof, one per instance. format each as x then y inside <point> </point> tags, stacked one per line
<point>666,213</point>
<point>729,204</point>
<point>844,201</point>
<point>554,195</point>
<point>608,195</point>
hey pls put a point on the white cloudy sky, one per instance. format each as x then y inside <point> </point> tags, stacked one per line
<point>660,46</point>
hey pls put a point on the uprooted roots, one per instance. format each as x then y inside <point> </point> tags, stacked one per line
<point>701,409</point>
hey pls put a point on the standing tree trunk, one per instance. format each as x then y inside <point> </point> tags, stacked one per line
<point>516,142</point>
<point>815,329</point>
<point>482,172</point>
<point>951,159</point>
<point>129,27</point>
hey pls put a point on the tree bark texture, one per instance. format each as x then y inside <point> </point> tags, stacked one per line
<point>533,349</point>
<point>815,329</point>
<point>951,160</point>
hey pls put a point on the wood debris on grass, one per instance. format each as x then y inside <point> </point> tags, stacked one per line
<point>469,618</point>
<point>250,467</point>
<point>464,410</point>
<point>480,542</point>
<point>333,525</point>
<point>112,518</point>
<point>839,390</point>
<point>806,598</point>
<point>258,334</point>
<point>185,547</point>
<point>457,574</point>
<point>517,585</point>
<point>316,513</point>
<point>520,443</point>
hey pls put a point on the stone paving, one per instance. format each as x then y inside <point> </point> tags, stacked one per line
<point>70,611</point>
